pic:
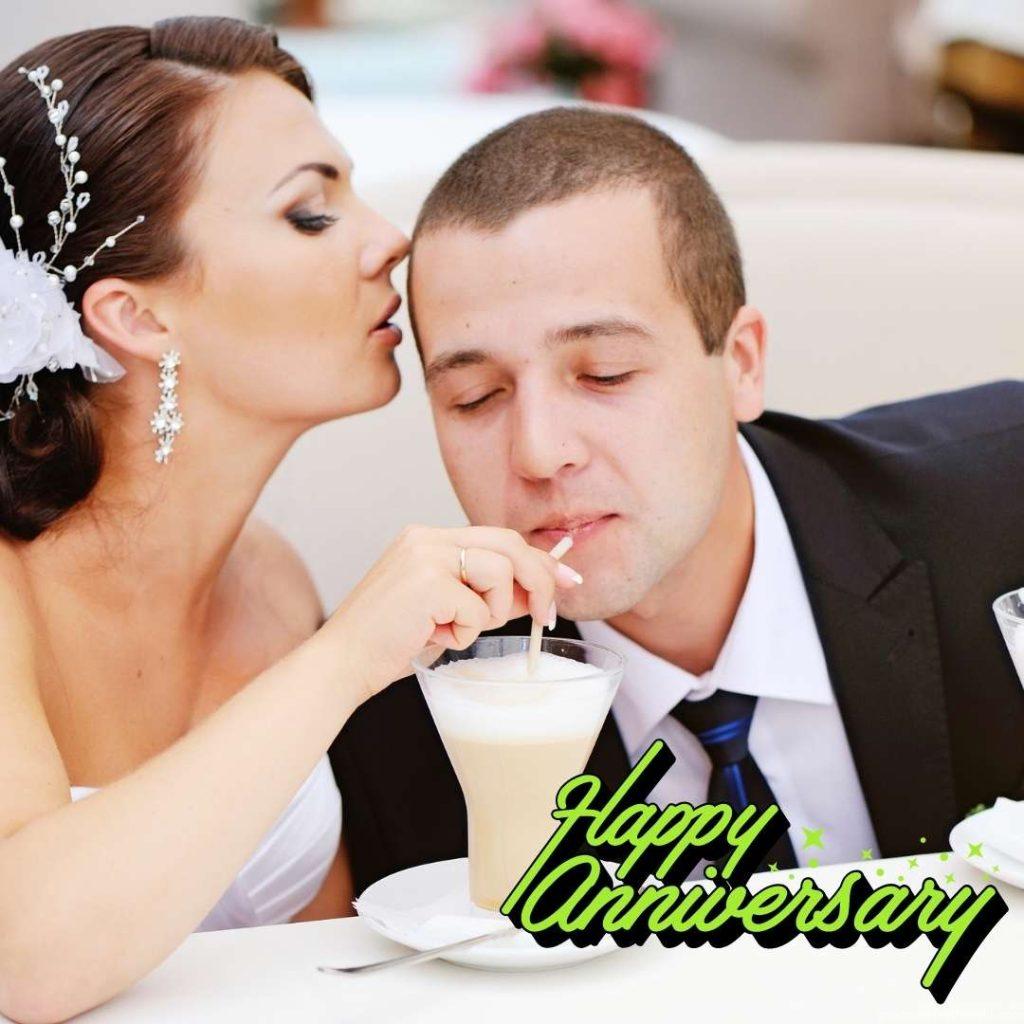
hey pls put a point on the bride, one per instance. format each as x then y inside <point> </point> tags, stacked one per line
<point>167,698</point>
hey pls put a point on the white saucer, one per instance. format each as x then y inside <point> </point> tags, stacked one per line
<point>428,906</point>
<point>990,829</point>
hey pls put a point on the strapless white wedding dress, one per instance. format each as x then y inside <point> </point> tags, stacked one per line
<point>291,862</point>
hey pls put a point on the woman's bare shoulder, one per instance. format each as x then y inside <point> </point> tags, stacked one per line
<point>271,557</point>
<point>267,602</point>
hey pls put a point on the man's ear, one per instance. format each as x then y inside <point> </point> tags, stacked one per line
<point>117,316</point>
<point>744,354</point>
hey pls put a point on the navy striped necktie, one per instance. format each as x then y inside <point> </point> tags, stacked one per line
<point>722,724</point>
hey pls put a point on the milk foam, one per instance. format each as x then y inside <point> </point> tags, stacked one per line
<point>536,709</point>
<point>516,667</point>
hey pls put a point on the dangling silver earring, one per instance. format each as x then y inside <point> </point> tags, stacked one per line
<point>166,423</point>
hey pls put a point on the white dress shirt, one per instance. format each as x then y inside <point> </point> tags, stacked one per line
<point>772,652</point>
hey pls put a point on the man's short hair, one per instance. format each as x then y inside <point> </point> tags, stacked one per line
<point>556,154</point>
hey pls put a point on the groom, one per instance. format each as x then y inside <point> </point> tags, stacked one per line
<point>803,605</point>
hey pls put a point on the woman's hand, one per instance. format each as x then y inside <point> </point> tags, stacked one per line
<point>413,596</point>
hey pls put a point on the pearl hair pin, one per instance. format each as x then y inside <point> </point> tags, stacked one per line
<point>38,323</point>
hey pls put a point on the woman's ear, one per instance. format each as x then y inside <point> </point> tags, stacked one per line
<point>744,354</point>
<point>117,316</point>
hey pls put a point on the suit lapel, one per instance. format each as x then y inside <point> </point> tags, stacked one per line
<point>874,614</point>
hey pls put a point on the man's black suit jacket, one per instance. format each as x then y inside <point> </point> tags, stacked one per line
<point>908,520</point>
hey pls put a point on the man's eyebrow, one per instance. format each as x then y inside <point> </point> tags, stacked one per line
<point>438,367</point>
<point>329,171</point>
<point>607,327</point>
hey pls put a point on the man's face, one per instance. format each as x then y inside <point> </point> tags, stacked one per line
<point>572,393</point>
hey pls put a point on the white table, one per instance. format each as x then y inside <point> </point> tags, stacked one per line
<point>267,975</point>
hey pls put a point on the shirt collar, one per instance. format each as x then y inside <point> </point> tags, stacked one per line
<point>772,648</point>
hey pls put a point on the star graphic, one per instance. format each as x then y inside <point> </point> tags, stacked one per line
<point>812,837</point>
<point>912,862</point>
<point>773,867</point>
<point>866,855</point>
<point>975,849</point>
<point>949,878</point>
<point>995,867</point>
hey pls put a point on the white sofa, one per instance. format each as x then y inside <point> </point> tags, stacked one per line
<point>883,272</point>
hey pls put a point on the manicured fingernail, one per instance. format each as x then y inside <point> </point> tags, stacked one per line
<point>568,575</point>
<point>552,616</point>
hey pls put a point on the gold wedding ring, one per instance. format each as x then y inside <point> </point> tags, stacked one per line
<point>462,566</point>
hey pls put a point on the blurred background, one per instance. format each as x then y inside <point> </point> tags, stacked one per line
<point>863,148</point>
<point>936,72</point>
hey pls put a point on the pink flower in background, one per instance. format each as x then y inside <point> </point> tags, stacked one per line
<point>515,44</point>
<point>521,39</point>
<point>490,76</point>
<point>617,33</point>
<point>624,88</point>
<point>603,49</point>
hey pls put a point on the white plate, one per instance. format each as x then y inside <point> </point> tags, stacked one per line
<point>977,828</point>
<point>402,906</point>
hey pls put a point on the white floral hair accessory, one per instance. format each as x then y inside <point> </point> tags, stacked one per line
<point>39,328</point>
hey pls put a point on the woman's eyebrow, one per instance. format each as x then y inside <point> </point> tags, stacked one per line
<point>328,171</point>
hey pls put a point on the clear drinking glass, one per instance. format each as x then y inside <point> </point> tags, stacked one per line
<point>1009,611</point>
<point>513,742</point>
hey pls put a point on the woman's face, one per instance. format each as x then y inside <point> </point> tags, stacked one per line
<point>279,315</point>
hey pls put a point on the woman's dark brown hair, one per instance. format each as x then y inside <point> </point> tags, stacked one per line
<point>136,97</point>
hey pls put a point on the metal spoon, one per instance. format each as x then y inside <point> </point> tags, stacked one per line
<point>416,958</point>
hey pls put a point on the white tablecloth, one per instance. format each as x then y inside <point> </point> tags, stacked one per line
<point>268,975</point>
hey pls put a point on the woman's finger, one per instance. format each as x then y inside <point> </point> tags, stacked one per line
<point>512,544</point>
<point>491,576</point>
<point>521,604</point>
<point>460,615</point>
<point>534,570</point>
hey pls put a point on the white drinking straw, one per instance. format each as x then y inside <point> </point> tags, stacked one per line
<point>538,627</point>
